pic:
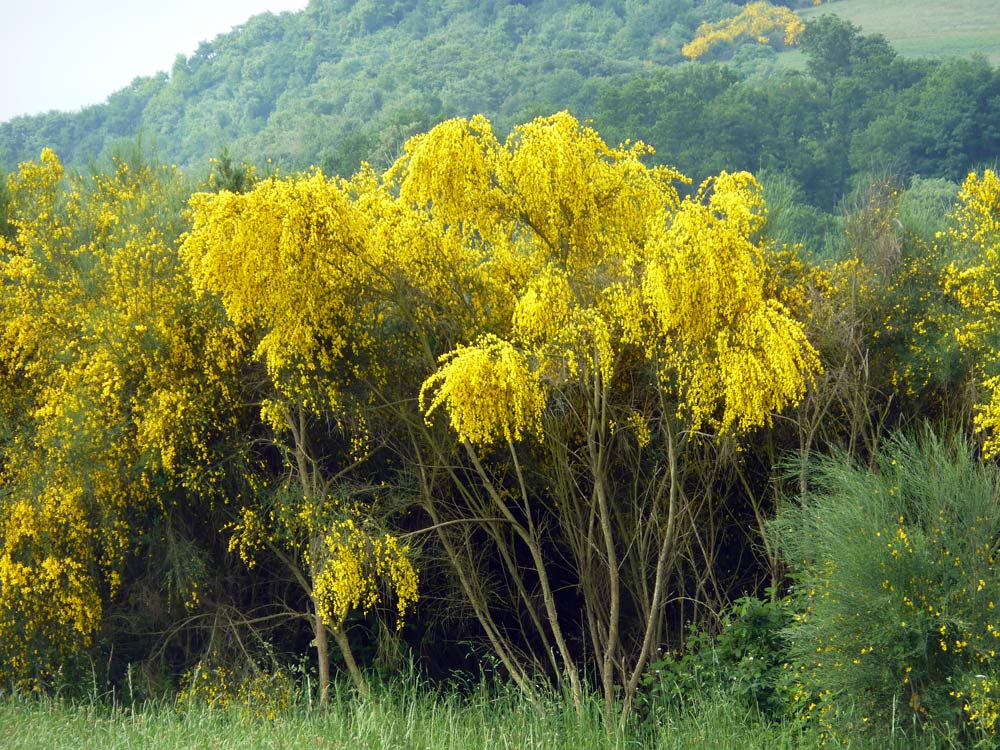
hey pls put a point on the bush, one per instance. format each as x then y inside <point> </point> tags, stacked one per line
<point>248,691</point>
<point>745,661</point>
<point>896,588</point>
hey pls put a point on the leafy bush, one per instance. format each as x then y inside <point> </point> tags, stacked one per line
<point>249,691</point>
<point>926,204</point>
<point>745,660</point>
<point>896,590</point>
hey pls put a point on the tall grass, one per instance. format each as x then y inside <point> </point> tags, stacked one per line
<point>409,715</point>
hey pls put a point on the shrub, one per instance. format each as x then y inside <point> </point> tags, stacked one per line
<point>896,590</point>
<point>745,660</point>
<point>248,691</point>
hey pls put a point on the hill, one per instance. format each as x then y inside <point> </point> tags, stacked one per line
<point>349,79</point>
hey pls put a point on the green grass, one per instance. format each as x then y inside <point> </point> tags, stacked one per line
<point>923,28</point>
<point>406,716</point>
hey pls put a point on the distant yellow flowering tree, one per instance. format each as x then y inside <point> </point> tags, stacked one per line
<point>637,320</point>
<point>757,21</point>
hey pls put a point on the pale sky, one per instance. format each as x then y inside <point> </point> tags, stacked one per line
<point>67,54</point>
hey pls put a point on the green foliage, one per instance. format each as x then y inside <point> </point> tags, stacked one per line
<point>341,82</point>
<point>896,588</point>
<point>746,661</point>
<point>884,307</point>
<point>940,123</point>
<point>791,220</point>
<point>227,175</point>
<point>835,48</point>
<point>860,108</point>
<point>925,206</point>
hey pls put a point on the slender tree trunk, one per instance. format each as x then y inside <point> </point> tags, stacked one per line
<point>531,541</point>
<point>466,576</point>
<point>352,666</point>
<point>611,636</point>
<point>664,557</point>
<point>322,659</point>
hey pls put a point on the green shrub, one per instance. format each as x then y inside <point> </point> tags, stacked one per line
<point>924,208</point>
<point>896,591</point>
<point>745,661</point>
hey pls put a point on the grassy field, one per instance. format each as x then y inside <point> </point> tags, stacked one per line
<point>925,28</point>
<point>407,716</point>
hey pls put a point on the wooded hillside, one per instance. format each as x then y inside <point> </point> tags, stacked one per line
<point>345,79</point>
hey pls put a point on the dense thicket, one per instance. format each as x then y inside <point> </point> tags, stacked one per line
<point>527,369</point>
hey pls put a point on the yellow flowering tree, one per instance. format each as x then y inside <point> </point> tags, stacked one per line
<point>107,410</point>
<point>637,321</point>
<point>972,282</point>
<point>290,262</point>
<point>757,21</point>
<point>535,339</point>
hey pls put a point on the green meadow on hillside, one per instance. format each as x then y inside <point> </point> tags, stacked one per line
<point>924,28</point>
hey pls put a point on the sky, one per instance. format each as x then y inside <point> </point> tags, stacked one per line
<point>67,54</point>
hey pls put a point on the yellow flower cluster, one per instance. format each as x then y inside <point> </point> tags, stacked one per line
<point>350,567</point>
<point>981,704</point>
<point>49,603</point>
<point>489,392</point>
<point>975,230</point>
<point>716,329</point>
<point>503,277</point>
<point>254,693</point>
<point>348,562</point>
<point>284,257</point>
<point>542,260</point>
<point>611,260</point>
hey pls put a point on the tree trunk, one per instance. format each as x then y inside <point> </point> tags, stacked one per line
<point>322,659</point>
<point>352,666</point>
